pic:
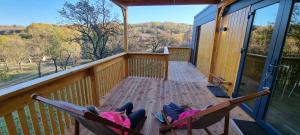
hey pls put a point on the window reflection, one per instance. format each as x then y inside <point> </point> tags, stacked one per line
<point>260,39</point>
<point>284,108</point>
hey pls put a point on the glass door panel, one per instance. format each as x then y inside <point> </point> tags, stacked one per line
<point>284,107</point>
<point>257,51</point>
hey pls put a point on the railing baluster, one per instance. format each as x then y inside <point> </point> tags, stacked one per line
<point>87,82</point>
<point>157,67</point>
<point>105,81</point>
<point>59,116</point>
<point>101,83</point>
<point>144,67</point>
<point>52,119</point>
<point>73,90</point>
<point>11,127</point>
<point>79,94</point>
<point>71,97</point>
<point>148,66</point>
<point>131,67</point>
<point>110,79</point>
<point>136,67</point>
<point>84,90</point>
<point>33,115</point>
<point>23,121</point>
<point>44,119</point>
<point>65,97</point>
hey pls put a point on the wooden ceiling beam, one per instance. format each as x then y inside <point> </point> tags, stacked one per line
<point>118,2</point>
<point>162,2</point>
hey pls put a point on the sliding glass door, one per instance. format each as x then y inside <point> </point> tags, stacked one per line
<point>257,49</point>
<point>283,111</point>
<point>271,58</point>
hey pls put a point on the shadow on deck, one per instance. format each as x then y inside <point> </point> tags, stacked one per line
<point>186,85</point>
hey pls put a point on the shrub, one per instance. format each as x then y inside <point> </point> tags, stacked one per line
<point>4,75</point>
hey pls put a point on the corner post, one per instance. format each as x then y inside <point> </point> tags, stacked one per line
<point>217,36</point>
<point>94,85</point>
<point>167,67</point>
<point>166,59</point>
<point>215,45</point>
<point>126,65</point>
<point>125,17</point>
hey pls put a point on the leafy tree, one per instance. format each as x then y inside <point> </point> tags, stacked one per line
<point>96,24</point>
<point>62,43</point>
<point>13,48</point>
<point>18,50</point>
<point>260,39</point>
<point>39,36</point>
<point>292,46</point>
<point>4,51</point>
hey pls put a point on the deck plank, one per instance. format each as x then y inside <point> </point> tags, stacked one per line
<point>186,85</point>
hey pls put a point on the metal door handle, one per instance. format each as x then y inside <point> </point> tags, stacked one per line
<point>243,50</point>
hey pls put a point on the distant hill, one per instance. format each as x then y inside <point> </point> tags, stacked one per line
<point>169,27</point>
<point>176,34</point>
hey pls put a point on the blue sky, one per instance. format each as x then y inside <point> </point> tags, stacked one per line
<point>25,12</point>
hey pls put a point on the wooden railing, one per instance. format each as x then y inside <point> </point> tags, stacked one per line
<point>179,54</point>
<point>153,65</point>
<point>83,85</point>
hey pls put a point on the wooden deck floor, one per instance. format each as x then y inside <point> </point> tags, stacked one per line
<point>185,85</point>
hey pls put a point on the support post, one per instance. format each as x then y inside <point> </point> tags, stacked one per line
<point>125,17</point>
<point>167,67</point>
<point>215,46</point>
<point>166,52</point>
<point>126,65</point>
<point>220,10</point>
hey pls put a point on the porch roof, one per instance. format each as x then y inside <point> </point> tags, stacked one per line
<point>162,2</point>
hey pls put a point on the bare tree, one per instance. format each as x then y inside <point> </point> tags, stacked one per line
<point>96,24</point>
<point>156,41</point>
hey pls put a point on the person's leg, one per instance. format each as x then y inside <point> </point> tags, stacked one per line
<point>176,107</point>
<point>136,117</point>
<point>170,112</point>
<point>128,107</point>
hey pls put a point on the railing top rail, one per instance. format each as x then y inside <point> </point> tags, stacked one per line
<point>23,87</point>
<point>179,48</point>
<point>145,53</point>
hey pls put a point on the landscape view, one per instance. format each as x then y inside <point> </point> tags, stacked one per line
<point>229,67</point>
<point>40,49</point>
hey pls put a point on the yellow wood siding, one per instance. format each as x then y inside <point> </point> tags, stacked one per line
<point>205,47</point>
<point>231,42</point>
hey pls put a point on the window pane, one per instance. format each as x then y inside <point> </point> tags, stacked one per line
<point>284,108</point>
